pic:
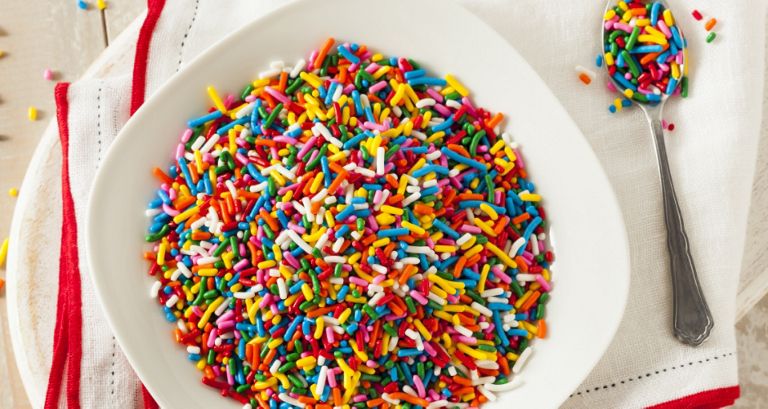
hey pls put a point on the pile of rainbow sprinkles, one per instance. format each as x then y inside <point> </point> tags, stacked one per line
<point>645,52</point>
<point>351,232</point>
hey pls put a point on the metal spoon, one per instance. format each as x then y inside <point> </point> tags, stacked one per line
<point>692,320</point>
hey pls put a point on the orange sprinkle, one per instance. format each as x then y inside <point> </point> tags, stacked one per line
<point>542,326</point>
<point>710,24</point>
<point>410,398</point>
<point>585,78</point>
<point>323,52</point>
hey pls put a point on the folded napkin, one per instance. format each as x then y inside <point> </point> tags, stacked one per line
<point>711,151</point>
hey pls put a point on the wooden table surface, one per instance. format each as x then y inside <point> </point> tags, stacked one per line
<point>60,36</point>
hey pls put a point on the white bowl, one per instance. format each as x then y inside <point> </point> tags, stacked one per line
<point>591,274</point>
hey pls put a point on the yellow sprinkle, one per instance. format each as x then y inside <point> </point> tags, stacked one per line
<point>207,272</point>
<point>647,38</point>
<point>101,4</point>
<point>274,343</point>
<point>344,316</point>
<point>380,242</point>
<point>497,147</point>
<point>483,278</point>
<point>629,93</point>
<point>13,192</point>
<point>216,99</point>
<point>471,352</point>
<point>675,71</point>
<point>3,252</point>
<point>608,58</point>
<point>32,113</point>
<point>307,291</point>
<point>312,79</point>
<point>441,248</point>
<point>413,228</point>
<point>453,82</point>
<point>161,252</point>
<point>485,227</point>
<point>422,330</point>
<point>266,264</point>
<point>609,14</point>
<point>474,250</point>
<point>209,311</point>
<point>489,211</point>
<point>501,255</point>
<point>530,197</point>
<point>392,210</point>
<point>668,19</point>
<point>186,214</point>
<point>306,362</point>
<point>623,5</point>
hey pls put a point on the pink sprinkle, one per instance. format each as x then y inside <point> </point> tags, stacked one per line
<point>48,74</point>
<point>544,284</point>
<point>418,297</point>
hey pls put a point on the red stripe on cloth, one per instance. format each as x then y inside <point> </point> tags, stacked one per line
<point>711,399</point>
<point>149,401</point>
<point>138,87</point>
<point>67,343</point>
<point>138,91</point>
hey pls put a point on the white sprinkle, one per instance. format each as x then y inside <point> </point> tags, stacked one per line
<point>436,298</point>
<point>288,399</point>
<point>375,299</point>
<point>155,289</point>
<point>520,363</point>
<point>453,104</point>
<point>152,212</point>
<point>488,394</point>
<point>282,289</point>
<point>486,364</point>
<point>426,102</point>
<point>534,245</point>
<point>269,73</point>
<point>223,307</point>
<point>520,242</point>
<point>419,135</point>
<point>463,330</point>
<point>524,277</point>
<point>463,239</point>
<point>389,400</point>
<point>277,65</point>
<point>207,260</point>
<point>482,309</point>
<point>172,300</point>
<point>320,129</point>
<point>244,295</point>
<point>193,349</point>
<point>365,172</point>
<point>299,241</point>
<point>503,387</point>
<point>297,68</point>
<point>379,268</point>
<point>412,198</point>
<point>210,143</point>
<point>321,380</point>
<point>379,160</point>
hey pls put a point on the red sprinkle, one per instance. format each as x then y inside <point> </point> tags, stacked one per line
<point>697,15</point>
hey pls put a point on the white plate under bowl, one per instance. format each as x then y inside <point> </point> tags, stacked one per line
<point>591,276</point>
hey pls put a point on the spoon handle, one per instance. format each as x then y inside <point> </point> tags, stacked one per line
<point>692,318</point>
